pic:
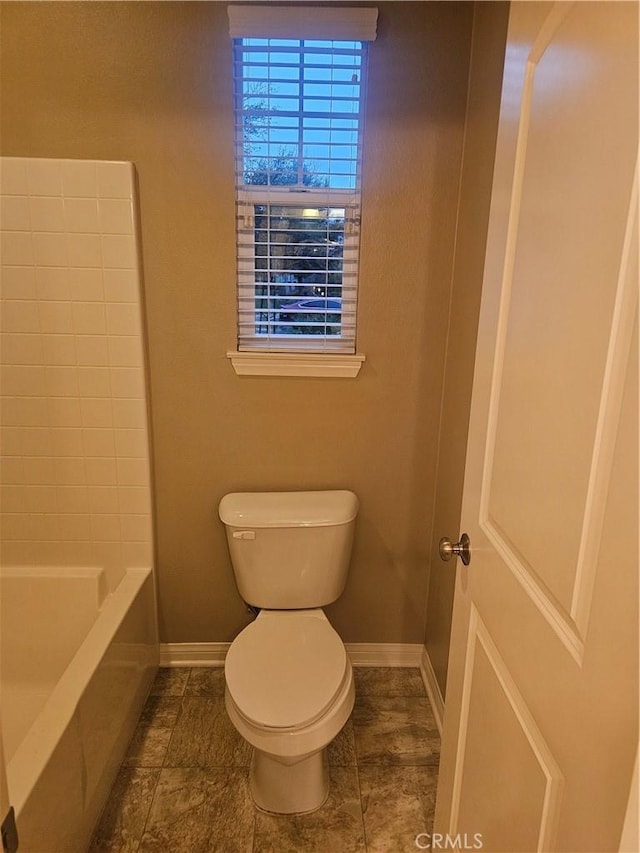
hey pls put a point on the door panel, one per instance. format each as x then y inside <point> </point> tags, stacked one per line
<point>543,670</point>
<point>557,335</point>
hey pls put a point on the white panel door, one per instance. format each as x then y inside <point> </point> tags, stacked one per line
<point>541,718</point>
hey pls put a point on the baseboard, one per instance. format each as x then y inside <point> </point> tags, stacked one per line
<point>384,654</point>
<point>360,654</point>
<point>193,654</point>
<point>432,687</point>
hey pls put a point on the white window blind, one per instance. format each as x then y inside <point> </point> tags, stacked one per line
<point>298,153</point>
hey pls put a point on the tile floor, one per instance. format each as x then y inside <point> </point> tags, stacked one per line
<point>183,785</point>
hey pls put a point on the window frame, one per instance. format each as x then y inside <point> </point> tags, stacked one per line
<point>297,354</point>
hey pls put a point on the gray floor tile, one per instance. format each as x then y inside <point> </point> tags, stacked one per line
<point>160,711</point>
<point>336,827</point>
<point>398,803</point>
<point>148,747</point>
<point>204,736</point>
<point>200,811</point>
<point>386,681</point>
<point>342,750</point>
<point>202,800</point>
<point>395,730</point>
<point>170,681</point>
<point>122,823</point>
<point>207,682</point>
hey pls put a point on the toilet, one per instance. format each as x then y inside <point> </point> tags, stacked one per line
<point>289,683</point>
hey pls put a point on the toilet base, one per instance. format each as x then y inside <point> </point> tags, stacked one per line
<point>289,788</point>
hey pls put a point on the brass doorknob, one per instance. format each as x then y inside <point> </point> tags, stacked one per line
<point>460,549</point>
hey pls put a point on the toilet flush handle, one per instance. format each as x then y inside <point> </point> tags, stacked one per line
<point>244,534</point>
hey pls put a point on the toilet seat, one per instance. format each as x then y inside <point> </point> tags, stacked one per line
<point>285,669</point>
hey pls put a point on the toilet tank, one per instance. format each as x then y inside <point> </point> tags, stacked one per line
<point>290,550</point>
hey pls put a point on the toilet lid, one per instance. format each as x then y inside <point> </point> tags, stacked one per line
<point>285,669</point>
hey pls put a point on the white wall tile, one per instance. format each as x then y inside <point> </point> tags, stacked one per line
<point>101,472</point>
<point>125,351</point>
<point>72,367</point>
<point>19,380</point>
<point>72,499</point>
<point>22,349</point>
<point>133,472</point>
<point>70,471</point>
<point>74,528</point>
<point>98,442</point>
<point>114,180</point>
<point>13,176</point>
<point>81,215</point>
<point>68,553</point>
<point>16,248</point>
<point>127,382</point>
<point>41,499</point>
<point>14,213</point>
<point>39,470</point>
<point>34,441</point>
<point>130,414</point>
<point>67,441</point>
<point>131,443</point>
<point>59,349</point>
<point>62,381</point>
<point>94,382</point>
<point>103,499</point>
<point>123,319</point>
<point>116,216</point>
<point>16,526</point>
<point>118,252</point>
<point>18,283</point>
<point>50,250</point>
<point>84,250</point>
<point>52,283</point>
<point>106,528</point>
<point>64,412</point>
<point>12,441</point>
<point>19,316</point>
<point>25,411</point>
<point>120,286</point>
<point>135,528</point>
<point>47,213</point>
<point>96,413</point>
<point>22,554</point>
<point>11,470</point>
<point>44,176</point>
<point>86,285</point>
<point>45,526</point>
<point>137,554</point>
<point>92,350</point>
<point>89,318</point>
<point>134,499</point>
<point>79,178</point>
<point>13,497</point>
<point>55,317</point>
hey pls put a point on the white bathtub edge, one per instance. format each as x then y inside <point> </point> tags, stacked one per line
<point>33,754</point>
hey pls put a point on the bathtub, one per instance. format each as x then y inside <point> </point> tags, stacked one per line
<point>76,665</point>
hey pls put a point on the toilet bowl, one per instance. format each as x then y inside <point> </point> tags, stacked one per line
<point>289,684</point>
<point>289,692</point>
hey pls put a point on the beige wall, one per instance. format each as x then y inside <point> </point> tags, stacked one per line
<point>485,78</point>
<point>150,82</point>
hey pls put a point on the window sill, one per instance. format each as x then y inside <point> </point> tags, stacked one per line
<point>296,364</point>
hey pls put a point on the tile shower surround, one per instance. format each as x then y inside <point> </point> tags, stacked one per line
<point>75,458</point>
<point>183,786</point>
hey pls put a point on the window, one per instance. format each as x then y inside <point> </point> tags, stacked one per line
<point>299,98</point>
